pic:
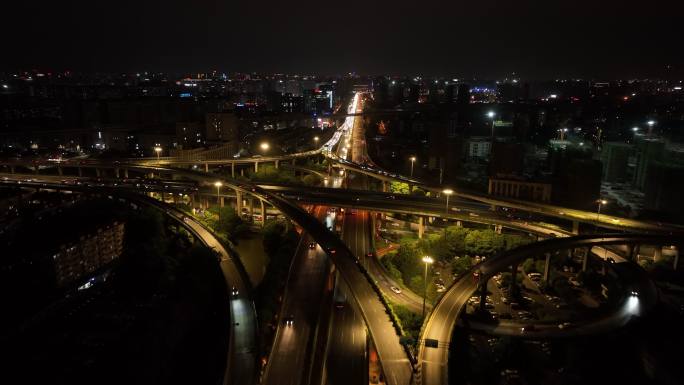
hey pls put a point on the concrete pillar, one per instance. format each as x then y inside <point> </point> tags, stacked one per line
<point>547,267</point>
<point>116,173</point>
<point>256,166</point>
<point>421,227</point>
<point>514,281</point>
<point>175,199</point>
<point>385,186</point>
<point>98,172</point>
<point>251,207</point>
<point>411,188</point>
<point>676,258</point>
<point>242,172</point>
<point>60,171</point>
<point>162,196</point>
<point>498,228</point>
<point>206,167</point>
<point>238,199</point>
<point>192,200</point>
<point>232,169</point>
<point>11,169</point>
<point>126,173</point>
<point>80,171</point>
<point>658,253</point>
<point>263,212</point>
<point>585,258</point>
<point>575,227</point>
<point>277,163</point>
<point>459,224</point>
<point>35,169</point>
<point>483,292</point>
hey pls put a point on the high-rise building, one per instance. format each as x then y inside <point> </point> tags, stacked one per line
<point>663,187</point>
<point>615,158</point>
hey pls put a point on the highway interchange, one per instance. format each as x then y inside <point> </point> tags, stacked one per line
<point>289,351</point>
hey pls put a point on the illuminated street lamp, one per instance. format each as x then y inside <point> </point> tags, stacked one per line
<point>491,115</point>
<point>316,139</point>
<point>650,123</point>
<point>600,202</point>
<point>428,261</point>
<point>218,185</point>
<point>264,146</point>
<point>447,192</point>
<point>158,150</point>
<point>413,160</point>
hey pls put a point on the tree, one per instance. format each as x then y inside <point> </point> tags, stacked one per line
<point>231,223</point>
<point>311,180</point>
<point>461,265</point>
<point>483,242</point>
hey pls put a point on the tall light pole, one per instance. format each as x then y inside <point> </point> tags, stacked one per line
<point>413,160</point>
<point>491,115</point>
<point>316,139</point>
<point>218,185</point>
<point>600,202</point>
<point>428,261</point>
<point>650,123</point>
<point>158,150</point>
<point>447,192</point>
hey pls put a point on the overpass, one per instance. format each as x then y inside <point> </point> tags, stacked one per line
<point>438,329</point>
<point>391,353</point>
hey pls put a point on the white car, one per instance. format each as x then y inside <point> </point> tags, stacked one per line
<point>395,289</point>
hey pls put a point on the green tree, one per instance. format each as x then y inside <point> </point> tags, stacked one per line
<point>231,223</point>
<point>461,265</point>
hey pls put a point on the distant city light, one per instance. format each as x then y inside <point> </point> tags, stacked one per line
<point>490,114</point>
<point>635,129</point>
<point>5,86</point>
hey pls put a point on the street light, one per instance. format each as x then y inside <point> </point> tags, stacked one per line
<point>316,139</point>
<point>218,185</point>
<point>158,150</point>
<point>491,115</point>
<point>447,192</point>
<point>264,146</point>
<point>600,202</point>
<point>650,123</point>
<point>413,160</point>
<point>428,261</point>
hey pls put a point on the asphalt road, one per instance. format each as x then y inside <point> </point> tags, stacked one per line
<point>289,361</point>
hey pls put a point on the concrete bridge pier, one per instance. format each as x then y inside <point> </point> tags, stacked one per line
<point>206,167</point>
<point>483,292</point>
<point>277,163</point>
<point>585,258</point>
<point>657,253</point>
<point>232,169</point>
<point>126,173</point>
<point>256,166</point>
<point>385,186</point>
<point>421,227</point>
<point>675,262</point>
<point>263,212</point>
<point>251,207</point>
<point>238,199</point>
<point>35,169</point>
<point>80,172</point>
<point>98,172</point>
<point>575,227</point>
<point>547,268</point>
<point>117,173</point>
<point>514,281</point>
<point>60,170</point>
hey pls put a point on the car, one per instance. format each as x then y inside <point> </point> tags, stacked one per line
<point>312,245</point>
<point>564,325</point>
<point>289,320</point>
<point>235,291</point>
<point>574,282</point>
<point>339,305</point>
<point>528,328</point>
<point>395,289</point>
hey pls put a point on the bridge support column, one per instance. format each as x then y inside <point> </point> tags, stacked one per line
<point>483,292</point>
<point>421,227</point>
<point>547,267</point>
<point>162,196</point>
<point>263,212</point>
<point>385,186</point>
<point>126,173</point>
<point>459,224</point>
<point>585,258</point>
<point>238,199</point>
<point>80,171</point>
<point>98,172</point>
<point>251,208</point>
<point>242,172</point>
<point>514,279</point>
<point>256,166</point>
<point>675,261</point>
<point>35,169</point>
<point>498,228</point>
<point>575,227</point>
<point>232,169</point>
<point>411,188</point>
<point>277,163</point>
<point>192,200</point>
<point>11,169</point>
<point>658,253</point>
<point>117,173</point>
<point>175,199</point>
<point>60,171</point>
<point>206,167</point>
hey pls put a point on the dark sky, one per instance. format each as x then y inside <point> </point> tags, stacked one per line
<point>483,38</point>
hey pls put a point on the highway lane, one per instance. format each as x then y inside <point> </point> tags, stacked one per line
<point>289,361</point>
<point>346,361</point>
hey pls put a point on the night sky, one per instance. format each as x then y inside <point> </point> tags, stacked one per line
<point>534,38</point>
